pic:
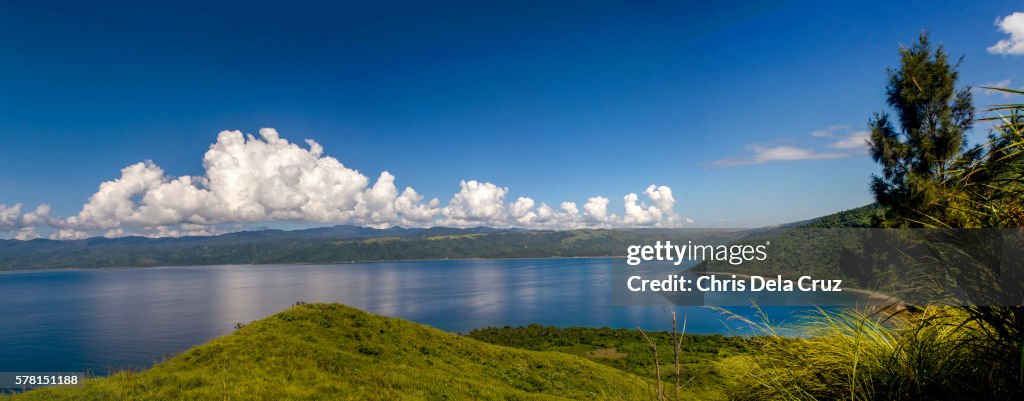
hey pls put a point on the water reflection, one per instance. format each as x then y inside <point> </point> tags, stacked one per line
<point>110,319</point>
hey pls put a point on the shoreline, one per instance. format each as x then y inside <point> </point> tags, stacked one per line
<point>50,269</point>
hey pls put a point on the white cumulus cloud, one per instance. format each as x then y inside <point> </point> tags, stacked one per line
<point>1012,25</point>
<point>597,209</point>
<point>477,203</point>
<point>251,179</point>
<point>12,218</point>
<point>659,213</point>
<point>26,233</point>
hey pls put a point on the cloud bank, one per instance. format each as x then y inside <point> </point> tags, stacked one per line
<point>252,179</point>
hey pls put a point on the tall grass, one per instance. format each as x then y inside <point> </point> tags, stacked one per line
<point>852,354</point>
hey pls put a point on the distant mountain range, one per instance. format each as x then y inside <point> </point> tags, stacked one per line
<point>341,244</point>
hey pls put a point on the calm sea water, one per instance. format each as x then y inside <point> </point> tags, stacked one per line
<point>109,319</point>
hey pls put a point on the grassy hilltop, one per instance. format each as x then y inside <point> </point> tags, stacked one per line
<point>330,351</point>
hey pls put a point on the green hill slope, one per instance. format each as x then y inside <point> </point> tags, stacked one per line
<point>334,352</point>
<point>854,218</point>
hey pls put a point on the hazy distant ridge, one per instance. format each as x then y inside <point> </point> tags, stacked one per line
<point>352,243</point>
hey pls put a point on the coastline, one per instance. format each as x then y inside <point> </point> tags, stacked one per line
<point>50,269</point>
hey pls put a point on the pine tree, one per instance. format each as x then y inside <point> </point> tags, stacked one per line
<point>917,156</point>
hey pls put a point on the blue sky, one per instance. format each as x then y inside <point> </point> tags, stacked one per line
<point>556,102</point>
